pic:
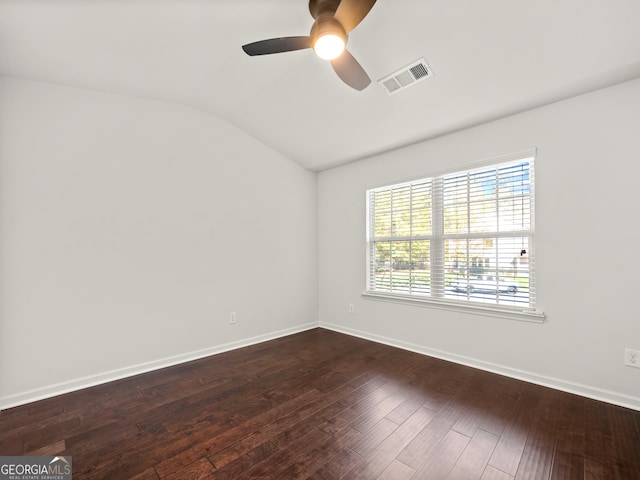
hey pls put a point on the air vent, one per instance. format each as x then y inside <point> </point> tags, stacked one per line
<point>406,77</point>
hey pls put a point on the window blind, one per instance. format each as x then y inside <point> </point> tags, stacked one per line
<point>465,236</point>
<point>402,233</point>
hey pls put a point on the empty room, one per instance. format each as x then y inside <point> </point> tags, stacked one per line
<point>326,239</point>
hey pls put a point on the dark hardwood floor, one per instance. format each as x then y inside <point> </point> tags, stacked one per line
<point>322,405</point>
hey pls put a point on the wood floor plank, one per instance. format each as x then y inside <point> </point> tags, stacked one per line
<point>491,473</point>
<point>285,428</point>
<point>26,416</point>
<point>397,471</point>
<point>474,459</point>
<point>358,409</point>
<point>148,474</point>
<point>338,466</point>
<point>425,442</point>
<point>385,453</point>
<point>568,461</point>
<point>537,457</point>
<point>321,405</point>
<point>457,387</point>
<point>325,418</point>
<point>405,409</point>
<point>508,452</point>
<point>244,463</point>
<point>567,466</point>
<point>386,400</point>
<point>54,449</point>
<point>320,456</point>
<point>373,436</point>
<point>228,438</point>
<point>486,392</point>
<point>500,404</point>
<point>611,443</point>
<point>289,458</point>
<point>625,440</point>
<point>440,461</point>
<point>200,470</point>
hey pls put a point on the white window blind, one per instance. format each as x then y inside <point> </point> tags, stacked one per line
<point>462,237</point>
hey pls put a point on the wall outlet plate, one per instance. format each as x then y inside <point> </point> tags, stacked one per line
<point>632,357</point>
<point>232,318</point>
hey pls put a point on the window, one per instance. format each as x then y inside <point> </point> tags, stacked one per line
<point>462,238</point>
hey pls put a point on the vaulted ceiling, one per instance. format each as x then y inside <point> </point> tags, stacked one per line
<point>490,58</point>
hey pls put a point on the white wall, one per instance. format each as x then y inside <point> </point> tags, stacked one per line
<point>587,171</point>
<point>129,229</point>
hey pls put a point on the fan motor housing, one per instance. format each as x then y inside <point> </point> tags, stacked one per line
<point>327,25</point>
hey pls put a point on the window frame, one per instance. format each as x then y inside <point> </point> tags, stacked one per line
<point>526,312</point>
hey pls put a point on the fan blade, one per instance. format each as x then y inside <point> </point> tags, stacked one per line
<point>350,71</point>
<point>277,45</point>
<point>351,12</point>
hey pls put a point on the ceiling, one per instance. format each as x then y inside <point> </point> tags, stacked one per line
<point>490,58</point>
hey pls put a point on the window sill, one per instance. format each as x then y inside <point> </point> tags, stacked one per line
<point>466,307</point>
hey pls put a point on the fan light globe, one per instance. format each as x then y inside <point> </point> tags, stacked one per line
<point>329,46</point>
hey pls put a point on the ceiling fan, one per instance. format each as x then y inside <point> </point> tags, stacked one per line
<point>334,19</point>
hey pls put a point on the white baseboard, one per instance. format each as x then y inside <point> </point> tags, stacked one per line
<point>555,383</point>
<point>92,380</point>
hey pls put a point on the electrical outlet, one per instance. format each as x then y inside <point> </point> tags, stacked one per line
<point>350,309</point>
<point>632,357</point>
<point>232,318</point>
